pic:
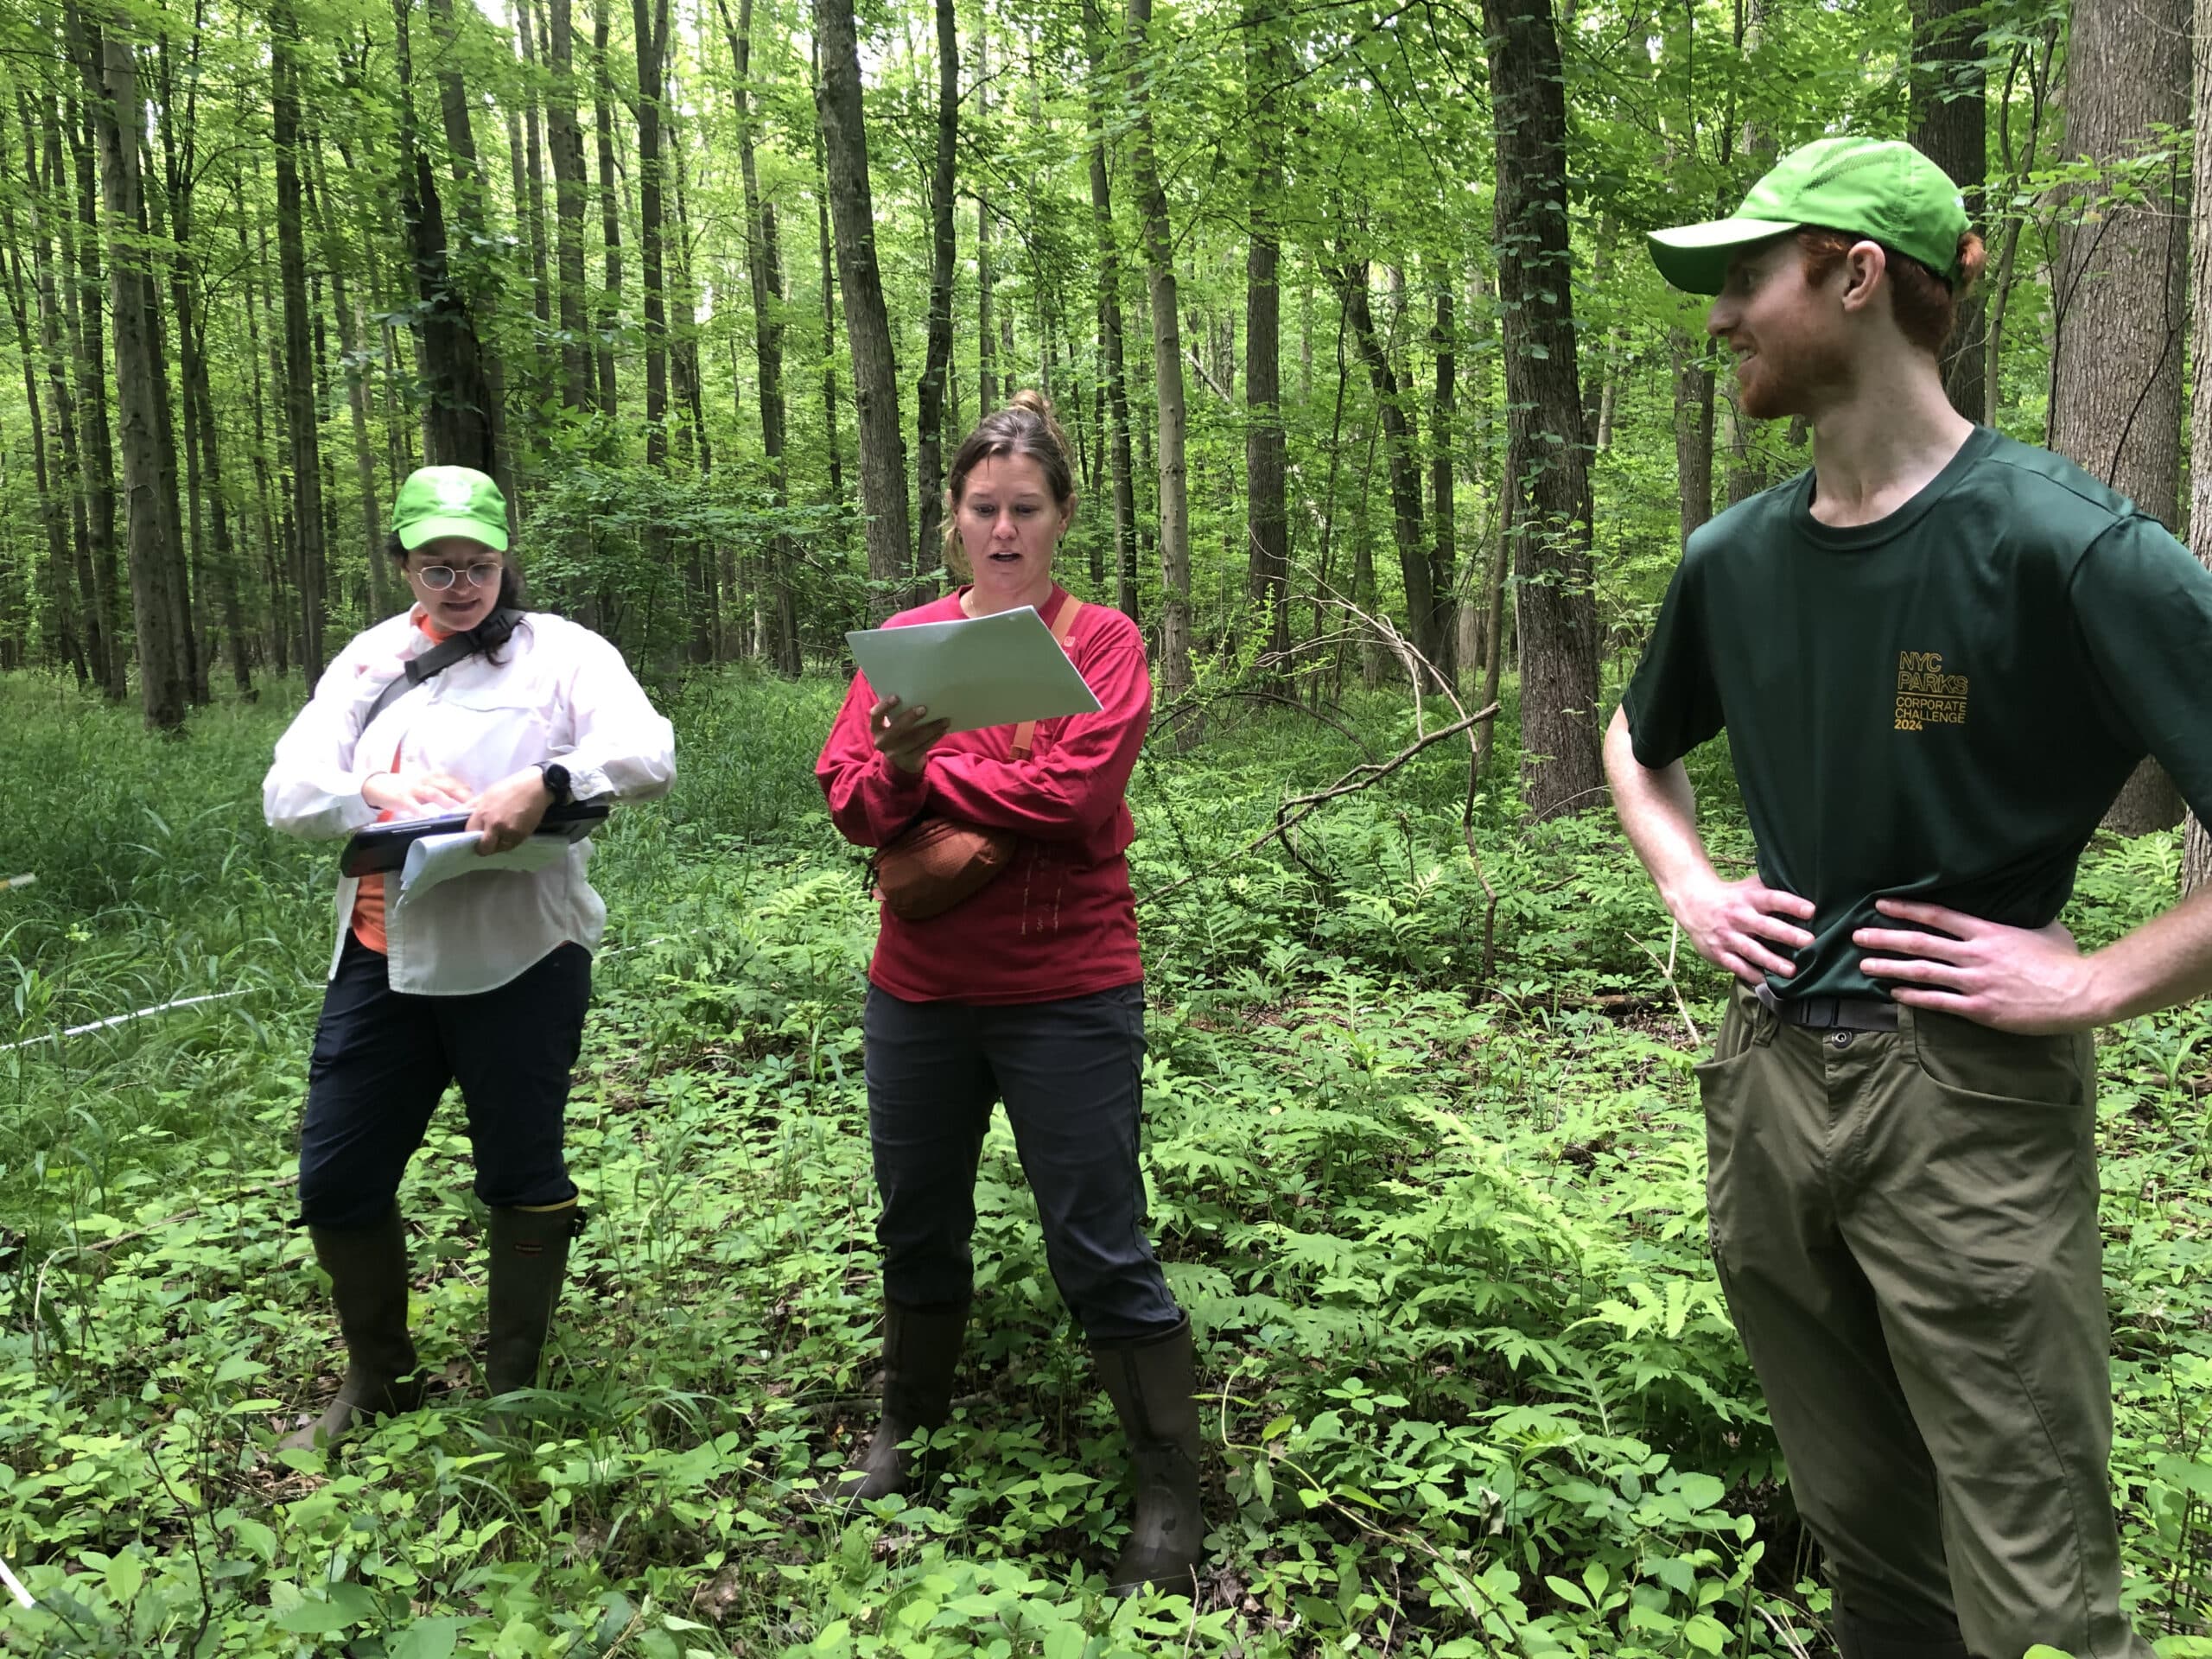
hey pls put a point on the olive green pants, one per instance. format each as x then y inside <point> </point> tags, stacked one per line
<point>1905,1224</point>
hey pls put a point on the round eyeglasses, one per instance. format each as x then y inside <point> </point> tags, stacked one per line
<point>439,577</point>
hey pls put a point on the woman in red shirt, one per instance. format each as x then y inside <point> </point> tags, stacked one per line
<point>1029,992</point>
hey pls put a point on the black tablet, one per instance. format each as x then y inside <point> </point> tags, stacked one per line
<point>383,847</point>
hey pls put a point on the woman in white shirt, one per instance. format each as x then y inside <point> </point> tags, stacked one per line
<point>482,980</point>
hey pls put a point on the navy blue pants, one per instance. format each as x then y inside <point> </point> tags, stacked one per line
<point>383,1059</point>
<point>1071,1073</point>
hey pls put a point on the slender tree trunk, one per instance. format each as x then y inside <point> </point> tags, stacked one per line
<point>1167,374</point>
<point>987,378</point>
<point>1402,454</point>
<point>1116,389</point>
<point>1266,447</point>
<point>875,373</point>
<point>53,519</point>
<point>302,416</point>
<point>929,419</point>
<point>109,67</point>
<point>2117,300</point>
<point>764,263</point>
<point>381,599</point>
<point>1949,122</point>
<point>836,496</point>
<point>607,313</point>
<point>1444,560</point>
<point>1548,479</point>
<point>2036,56</point>
<point>255,304</point>
<point>88,339</point>
<point>1693,424</point>
<point>532,172</point>
<point>649,21</point>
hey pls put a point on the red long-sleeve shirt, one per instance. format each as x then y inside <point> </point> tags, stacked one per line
<point>1060,921</point>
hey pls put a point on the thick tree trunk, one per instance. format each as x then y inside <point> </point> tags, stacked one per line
<point>302,415</point>
<point>565,140</point>
<point>1266,447</point>
<point>110,71</point>
<point>875,373</point>
<point>1949,122</point>
<point>2196,844</point>
<point>1116,388</point>
<point>764,264</point>
<point>2117,300</point>
<point>1548,479</point>
<point>1168,376</point>
<point>929,401</point>
<point>459,413</point>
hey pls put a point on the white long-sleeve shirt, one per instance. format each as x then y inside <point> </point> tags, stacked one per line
<point>561,693</point>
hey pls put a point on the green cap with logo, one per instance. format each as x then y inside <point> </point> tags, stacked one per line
<point>1882,189</point>
<point>438,501</point>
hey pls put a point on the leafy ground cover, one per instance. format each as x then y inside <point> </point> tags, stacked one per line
<point>1473,1388</point>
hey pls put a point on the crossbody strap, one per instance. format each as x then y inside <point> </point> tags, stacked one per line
<point>1025,735</point>
<point>488,635</point>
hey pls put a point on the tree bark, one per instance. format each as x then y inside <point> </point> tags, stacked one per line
<point>764,264</point>
<point>929,417</point>
<point>2196,844</point>
<point>532,172</point>
<point>1265,445</point>
<point>1548,479</point>
<point>1443,521</point>
<point>607,313</point>
<point>381,599</point>
<point>829,302</point>
<point>2117,300</point>
<point>1949,123</point>
<point>1693,413</point>
<point>648,22</point>
<point>565,142</point>
<point>302,416</point>
<point>1110,332</point>
<point>1167,375</point>
<point>109,69</point>
<point>868,325</point>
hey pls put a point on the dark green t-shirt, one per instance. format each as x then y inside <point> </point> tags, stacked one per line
<point>1940,706</point>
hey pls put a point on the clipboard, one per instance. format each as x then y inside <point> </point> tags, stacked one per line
<point>382,848</point>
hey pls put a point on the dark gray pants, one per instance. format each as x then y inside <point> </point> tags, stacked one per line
<point>1071,1073</point>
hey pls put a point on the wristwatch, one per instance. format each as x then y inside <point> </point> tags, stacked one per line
<point>556,779</point>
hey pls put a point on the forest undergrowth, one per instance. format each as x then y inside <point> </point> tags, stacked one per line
<point>1472,1386</point>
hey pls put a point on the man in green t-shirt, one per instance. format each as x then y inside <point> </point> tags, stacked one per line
<point>1937,656</point>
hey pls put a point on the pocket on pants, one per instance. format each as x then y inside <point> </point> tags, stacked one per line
<point>1964,1060</point>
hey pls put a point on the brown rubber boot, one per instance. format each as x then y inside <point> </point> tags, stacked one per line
<point>1152,1382</point>
<point>368,1282</point>
<point>921,1352</point>
<point>529,1258</point>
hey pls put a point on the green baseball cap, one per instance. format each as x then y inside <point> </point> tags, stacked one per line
<point>1882,189</point>
<point>438,501</point>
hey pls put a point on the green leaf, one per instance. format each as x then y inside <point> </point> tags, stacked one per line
<point>1567,1592</point>
<point>1704,1633</point>
<point>429,1638</point>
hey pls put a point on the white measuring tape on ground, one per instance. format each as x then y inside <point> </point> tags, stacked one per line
<point>15,1585</point>
<point>120,1020</point>
<point>18,881</point>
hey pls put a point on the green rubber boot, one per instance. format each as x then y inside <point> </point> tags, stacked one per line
<point>529,1258</point>
<point>921,1352</point>
<point>1152,1382</point>
<point>368,1282</point>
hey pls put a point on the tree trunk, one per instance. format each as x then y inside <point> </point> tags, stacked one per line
<point>2118,301</point>
<point>533,173</point>
<point>875,373</point>
<point>302,416</point>
<point>929,418</point>
<point>1444,560</point>
<point>1548,479</point>
<point>97,574</point>
<point>2197,845</point>
<point>1167,375</point>
<point>565,140</point>
<point>986,339</point>
<point>649,23</point>
<point>606,315</point>
<point>1117,388</point>
<point>1694,412</point>
<point>828,303</point>
<point>381,599</point>
<point>459,416</point>
<point>110,70</point>
<point>1949,122</point>
<point>1266,447</point>
<point>764,263</point>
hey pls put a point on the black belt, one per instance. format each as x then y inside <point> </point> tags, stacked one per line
<point>1839,1012</point>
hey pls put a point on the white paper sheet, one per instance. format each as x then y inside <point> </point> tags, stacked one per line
<point>437,859</point>
<point>979,671</point>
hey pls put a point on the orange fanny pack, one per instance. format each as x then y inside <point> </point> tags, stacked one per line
<point>936,862</point>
